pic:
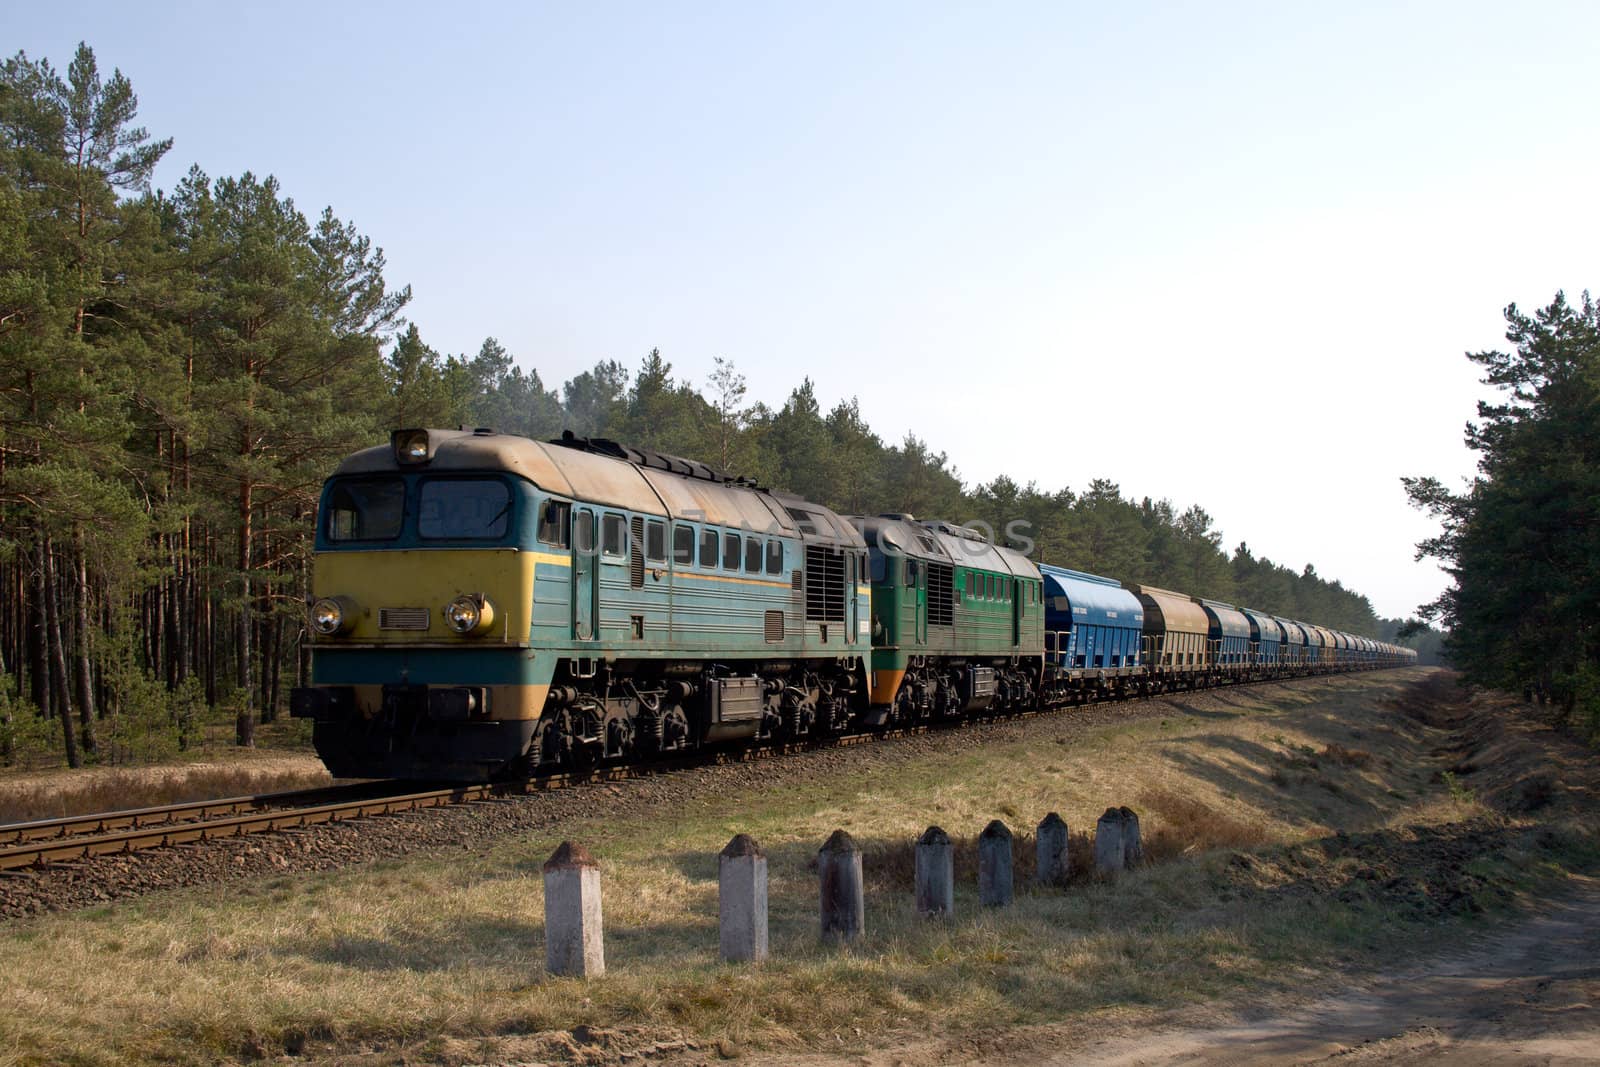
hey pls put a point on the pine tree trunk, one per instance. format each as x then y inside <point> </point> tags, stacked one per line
<point>39,644</point>
<point>302,647</point>
<point>208,608</point>
<point>81,651</point>
<point>58,657</point>
<point>245,725</point>
<point>188,612</point>
<point>172,655</point>
<point>269,711</point>
<point>6,751</point>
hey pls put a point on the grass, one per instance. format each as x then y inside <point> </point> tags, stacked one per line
<point>281,760</point>
<point>441,958</point>
<point>111,788</point>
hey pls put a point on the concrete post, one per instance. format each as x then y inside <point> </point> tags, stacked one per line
<point>573,940</point>
<point>994,866</point>
<point>1109,853</point>
<point>1051,865</point>
<point>1132,847</point>
<point>936,874</point>
<point>843,900</point>
<point>742,901</point>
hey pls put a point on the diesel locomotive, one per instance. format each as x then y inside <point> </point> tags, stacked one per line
<point>487,605</point>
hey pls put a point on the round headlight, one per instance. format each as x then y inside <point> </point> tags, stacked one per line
<point>327,616</point>
<point>471,613</point>
<point>461,614</point>
<point>411,446</point>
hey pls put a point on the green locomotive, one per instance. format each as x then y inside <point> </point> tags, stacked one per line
<point>957,622</point>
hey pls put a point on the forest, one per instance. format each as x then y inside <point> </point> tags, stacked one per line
<point>180,369</point>
<point>1522,540</point>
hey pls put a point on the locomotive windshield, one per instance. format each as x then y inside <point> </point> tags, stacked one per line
<point>463,509</point>
<point>369,509</point>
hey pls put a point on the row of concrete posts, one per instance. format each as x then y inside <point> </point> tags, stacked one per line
<point>574,943</point>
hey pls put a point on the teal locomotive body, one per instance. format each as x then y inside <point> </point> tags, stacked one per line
<point>488,604</point>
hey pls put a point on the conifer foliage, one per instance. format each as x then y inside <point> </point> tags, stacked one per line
<point>179,370</point>
<point>1522,540</point>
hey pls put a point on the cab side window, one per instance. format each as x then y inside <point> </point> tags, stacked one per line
<point>613,539</point>
<point>774,557</point>
<point>655,542</point>
<point>583,533</point>
<point>554,521</point>
<point>683,545</point>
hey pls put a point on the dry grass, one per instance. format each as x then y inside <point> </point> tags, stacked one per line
<point>1345,757</point>
<point>1178,825</point>
<point>50,796</point>
<point>440,959</point>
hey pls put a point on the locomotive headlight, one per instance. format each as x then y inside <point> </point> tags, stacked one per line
<point>331,615</point>
<point>471,613</point>
<point>410,446</point>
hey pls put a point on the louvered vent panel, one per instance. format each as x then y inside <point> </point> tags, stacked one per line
<point>941,594</point>
<point>636,552</point>
<point>774,626</point>
<point>402,618</point>
<point>824,583</point>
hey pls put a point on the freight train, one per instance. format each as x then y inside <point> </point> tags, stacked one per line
<point>486,605</point>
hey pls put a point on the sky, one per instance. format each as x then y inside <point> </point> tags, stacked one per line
<point>1225,254</point>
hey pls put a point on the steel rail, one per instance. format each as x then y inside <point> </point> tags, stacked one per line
<point>123,832</point>
<point>139,837</point>
<point>173,814</point>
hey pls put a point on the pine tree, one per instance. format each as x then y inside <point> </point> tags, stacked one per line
<point>1522,542</point>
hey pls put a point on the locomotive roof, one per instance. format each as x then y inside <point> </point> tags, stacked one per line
<point>921,539</point>
<point>591,477</point>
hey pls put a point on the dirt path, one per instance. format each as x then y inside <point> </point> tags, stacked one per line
<point>1530,995</point>
<point>1527,995</point>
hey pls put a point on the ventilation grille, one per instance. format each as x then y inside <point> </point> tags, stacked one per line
<point>774,626</point>
<point>941,594</point>
<point>636,552</point>
<point>824,583</point>
<point>402,618</point>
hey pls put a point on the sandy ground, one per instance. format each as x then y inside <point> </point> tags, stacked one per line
<point>1529,995</point>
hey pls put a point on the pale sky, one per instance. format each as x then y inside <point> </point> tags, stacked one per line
<point>1227,254</point>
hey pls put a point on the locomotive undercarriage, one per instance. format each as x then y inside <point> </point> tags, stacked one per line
<point>938,688</point>
<point>631,711</point>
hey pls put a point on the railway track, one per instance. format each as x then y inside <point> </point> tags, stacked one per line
<point>86,837</point>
